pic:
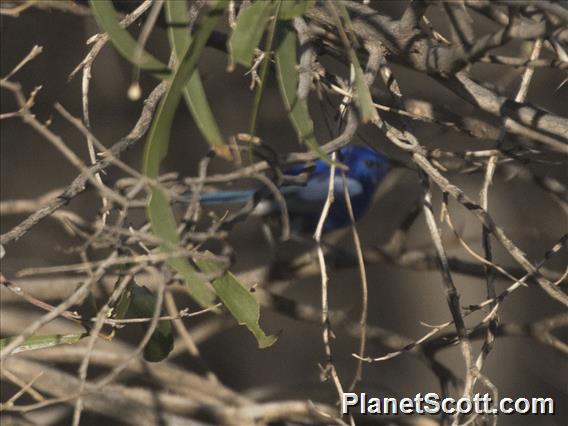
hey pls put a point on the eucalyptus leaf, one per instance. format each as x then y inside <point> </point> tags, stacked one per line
<point>263,75</point>
<point>238,300</point>
<point>127,46</point>
<point>42,342</point>
<point>287,76</point>
<point>159,211</point>
<point>120,308</point>
<point>193,92</point>
<point>292,8</point>
<point>246,36</point>
<point>164,225</point>
<point>142,305</point>
<point>106,17</point>
<point>364,99</point>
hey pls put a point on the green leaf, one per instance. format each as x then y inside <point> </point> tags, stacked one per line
<point>292,8</point>
<point>122,305</point>
<point>364,99</point>
<point>127,46</point>
<point>193,92</point>
<point>142,305</point>
<point>164,225</point>
<point>263,73</point>
<point>106,17</point>
<point>287,75</point>
<point>238,300</point>
<point>42,342</point>
<point>248,32</point>
<point>159,212</point>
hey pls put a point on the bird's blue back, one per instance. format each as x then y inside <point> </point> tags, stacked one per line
<point>366,169</point>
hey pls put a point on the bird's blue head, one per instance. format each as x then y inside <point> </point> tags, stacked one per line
<point>365,164</point>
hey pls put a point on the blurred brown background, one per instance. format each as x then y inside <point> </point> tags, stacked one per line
<point>399,299</point>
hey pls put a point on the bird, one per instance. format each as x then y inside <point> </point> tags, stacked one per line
<point>366,168</point>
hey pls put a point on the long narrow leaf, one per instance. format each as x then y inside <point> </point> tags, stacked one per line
<point>364,99</point>
<point>193,92</point>
<point>42,342</point>
<point>287,75</point>
<point>142,303</point>
<point>159,212</point>
<point>292,8</point>
<point>126,45</point>
<point>105,15</point>
<point>163,224</point>
<point>248,32</point>
<point>239,301</point>
<point>263,71</point>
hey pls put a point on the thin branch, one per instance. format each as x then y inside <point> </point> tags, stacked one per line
<point>29,118</point>
<point>190,345</point>
<point>77,297</point>
<point>329,369</point>
<point>79,183</point>
<point>364,287</point>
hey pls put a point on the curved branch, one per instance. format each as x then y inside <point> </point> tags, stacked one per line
<point>413,47</point>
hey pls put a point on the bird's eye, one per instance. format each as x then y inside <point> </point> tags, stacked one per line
<point>371,164</point>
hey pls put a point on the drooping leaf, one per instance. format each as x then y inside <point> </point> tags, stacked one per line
<point>287,76</point>
<point>142,305</point>
<point>159,212</point>
<point>246,36</point>
<point>292,8</point>
<point>263,71</point>
<point>120,308</point>
<point>106,17</point>
<point>164,225</point>
<point>127,46</point>
<point>193,92</point>
<point>364,99</point>
<point>42,342</point>
<point>238,300</point>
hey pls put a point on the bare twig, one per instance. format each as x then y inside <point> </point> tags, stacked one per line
<point>329,368</point>
<point>364,286</point>
<point>79,184</point>
<point>74,299</point>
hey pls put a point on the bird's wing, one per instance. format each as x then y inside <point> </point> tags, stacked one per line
<point>299,199</point>
<point>312,196</point>
<point>222,197</point>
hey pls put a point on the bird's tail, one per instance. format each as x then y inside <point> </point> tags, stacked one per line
<point>223,197</point>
